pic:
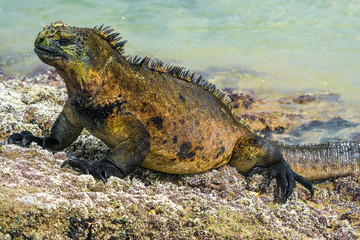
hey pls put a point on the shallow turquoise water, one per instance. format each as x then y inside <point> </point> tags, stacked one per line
<point>288,45</point>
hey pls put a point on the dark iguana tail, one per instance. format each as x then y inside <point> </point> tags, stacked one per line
<point>322,161</point>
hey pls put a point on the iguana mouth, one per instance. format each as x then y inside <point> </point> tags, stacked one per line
<point>49,52</point>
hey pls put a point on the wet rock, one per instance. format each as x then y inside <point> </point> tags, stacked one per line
<point>240,99</point>
<point>308,98</point>
<point>330,126</point>
<point>304,99</point>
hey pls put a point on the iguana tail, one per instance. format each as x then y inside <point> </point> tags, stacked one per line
<point>322,161</point>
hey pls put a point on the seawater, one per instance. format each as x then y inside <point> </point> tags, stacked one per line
<point>288,46</point>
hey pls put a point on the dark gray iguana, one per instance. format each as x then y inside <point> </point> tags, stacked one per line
<point>152,115</point>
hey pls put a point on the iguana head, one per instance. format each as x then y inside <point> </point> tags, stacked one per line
<point>58,44</point>
<point>79,54</point>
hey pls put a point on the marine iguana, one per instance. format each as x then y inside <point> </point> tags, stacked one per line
<point>150,114</point>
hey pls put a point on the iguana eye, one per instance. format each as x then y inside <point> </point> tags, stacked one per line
<point>65,42</point>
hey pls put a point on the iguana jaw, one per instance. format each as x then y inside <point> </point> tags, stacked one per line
<point>50,54</point>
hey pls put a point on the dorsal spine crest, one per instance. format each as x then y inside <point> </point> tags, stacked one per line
<point>181,73</point>
<point>114,39</point>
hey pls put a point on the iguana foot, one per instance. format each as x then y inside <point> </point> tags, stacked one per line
<point>285,179</point>
<point>24,139</point>
<point>99,170</point>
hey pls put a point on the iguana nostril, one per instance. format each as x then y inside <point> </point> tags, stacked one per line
<point>40,39</point>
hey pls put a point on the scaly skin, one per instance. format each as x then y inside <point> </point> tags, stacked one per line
<point>159,117</point>
<point>322,161</point>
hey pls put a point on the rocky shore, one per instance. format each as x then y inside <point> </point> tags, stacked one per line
<point>40,200</point>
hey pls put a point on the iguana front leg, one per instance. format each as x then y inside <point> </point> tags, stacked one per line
<point>64,132</point>
<point>124,158</point>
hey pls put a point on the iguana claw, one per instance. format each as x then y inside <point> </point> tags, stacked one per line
<point>99,170</point>
<point>24,139</point>
<point>285,179</point>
